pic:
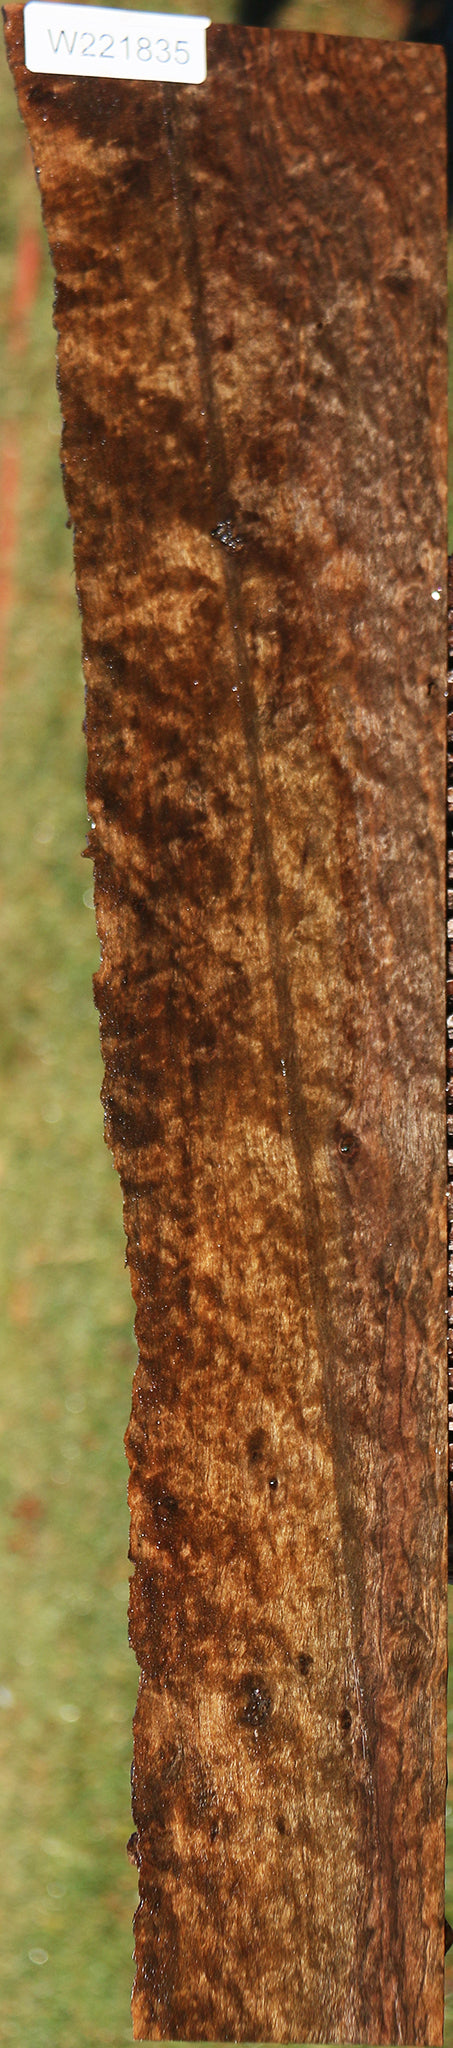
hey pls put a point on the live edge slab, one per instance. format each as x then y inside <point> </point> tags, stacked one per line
<point>251,316</point>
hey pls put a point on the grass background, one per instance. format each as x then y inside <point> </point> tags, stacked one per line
<point>67,1677</point>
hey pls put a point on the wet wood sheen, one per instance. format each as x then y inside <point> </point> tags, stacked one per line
<point>250,306</point>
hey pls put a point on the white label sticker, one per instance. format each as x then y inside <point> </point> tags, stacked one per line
<point>110,42</point>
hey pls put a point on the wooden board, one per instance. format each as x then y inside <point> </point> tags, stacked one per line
<point>250,306</point>
<point>450,1062</point>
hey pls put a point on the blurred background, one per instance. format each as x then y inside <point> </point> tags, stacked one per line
<point>68,1679</point>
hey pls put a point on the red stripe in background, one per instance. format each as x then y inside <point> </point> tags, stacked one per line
<point>25,286</point>
<point>9,494</point>
<point>22,300</point>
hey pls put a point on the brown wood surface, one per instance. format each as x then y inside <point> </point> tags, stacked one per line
<point>450,1062</point>
<point>251,315</point>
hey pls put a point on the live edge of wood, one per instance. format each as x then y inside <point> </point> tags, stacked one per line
<point>251,312</point>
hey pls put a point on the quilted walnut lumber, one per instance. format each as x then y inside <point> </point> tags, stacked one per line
<point>450,1062</point>
<point>250,304</point>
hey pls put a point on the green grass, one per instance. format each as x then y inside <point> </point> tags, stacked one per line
<point>67,1676</point>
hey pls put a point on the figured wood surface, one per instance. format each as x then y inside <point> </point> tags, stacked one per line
<point>450,1062</point>
<point>250,306</point>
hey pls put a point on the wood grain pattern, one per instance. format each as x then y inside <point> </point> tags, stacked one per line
<point>250,306</point>
<point>450,1062</point>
